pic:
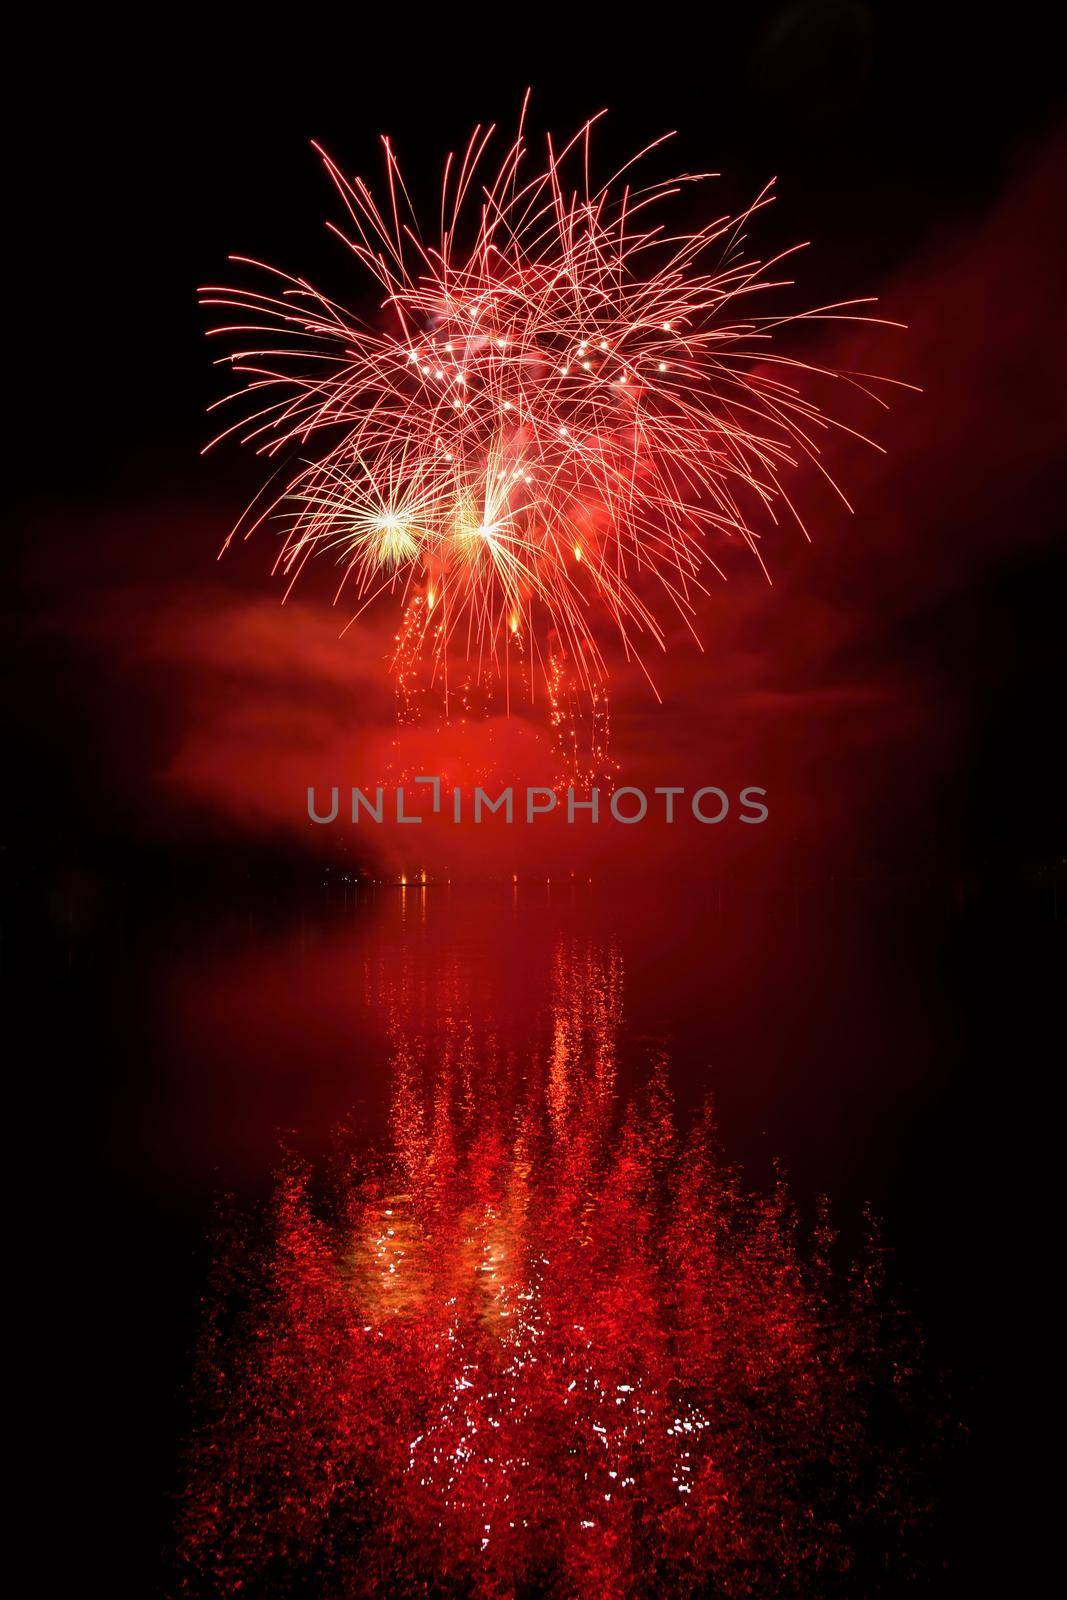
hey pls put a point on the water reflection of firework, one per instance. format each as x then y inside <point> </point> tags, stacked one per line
<point>543,1344</point>
<point>569,398</point>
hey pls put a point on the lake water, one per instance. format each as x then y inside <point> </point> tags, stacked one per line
<point>836,1032</point>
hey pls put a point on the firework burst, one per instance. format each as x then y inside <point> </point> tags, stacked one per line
<point>562,404</point>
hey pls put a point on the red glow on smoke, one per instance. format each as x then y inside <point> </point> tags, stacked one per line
<point>543,1343</point>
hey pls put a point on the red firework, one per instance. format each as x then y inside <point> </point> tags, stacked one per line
<point>564,401</point>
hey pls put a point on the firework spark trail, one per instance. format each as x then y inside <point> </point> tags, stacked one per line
<point>561,408</point>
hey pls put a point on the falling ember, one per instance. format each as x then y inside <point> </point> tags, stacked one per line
<point>559,354</point>
<point>543,1343</point>
<point>580,724</point>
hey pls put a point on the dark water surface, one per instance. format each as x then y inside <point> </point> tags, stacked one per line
<point>821,1028</point>
<point>845,1033</point>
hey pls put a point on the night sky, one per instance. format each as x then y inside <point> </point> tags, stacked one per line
<point>894,686</point>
